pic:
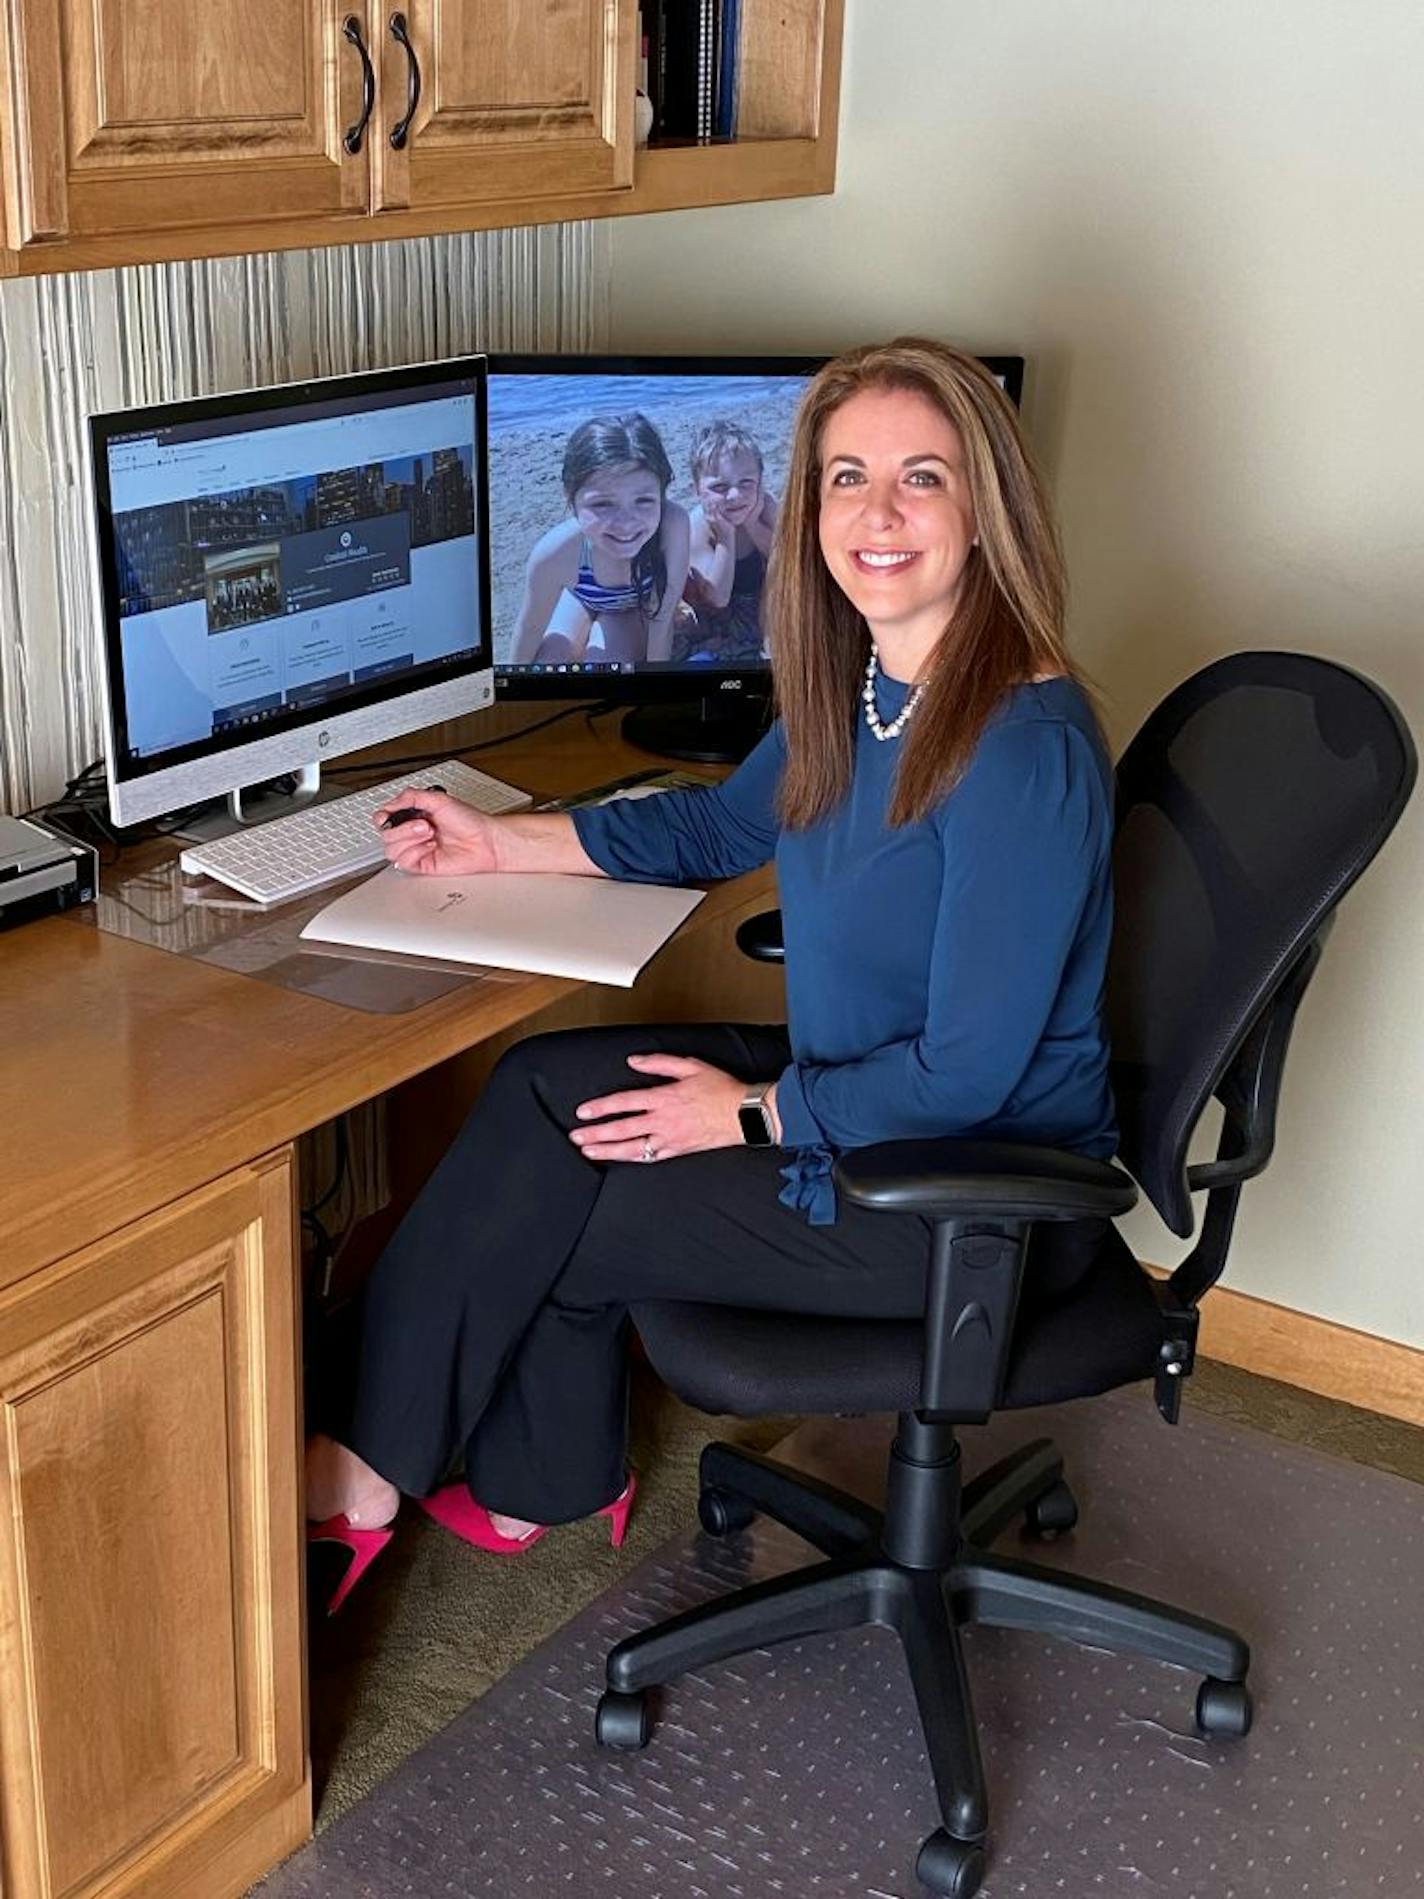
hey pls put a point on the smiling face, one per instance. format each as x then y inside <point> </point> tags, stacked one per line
<point>896,520</point>
<point>732,486</point>
<point>619,509</point>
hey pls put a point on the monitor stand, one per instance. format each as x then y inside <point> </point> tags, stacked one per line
<point>255,804</point>
<point>706,731</point>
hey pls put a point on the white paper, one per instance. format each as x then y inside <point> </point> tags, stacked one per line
<point>589,927</point>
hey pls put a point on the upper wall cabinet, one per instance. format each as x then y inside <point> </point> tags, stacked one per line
<point>145,115</point>
<point>496,100</point>
<point>139,130</point>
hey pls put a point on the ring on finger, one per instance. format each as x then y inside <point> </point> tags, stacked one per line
<point>649,1152</point>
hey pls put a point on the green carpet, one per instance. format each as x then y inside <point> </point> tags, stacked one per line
<point>435,1623</point>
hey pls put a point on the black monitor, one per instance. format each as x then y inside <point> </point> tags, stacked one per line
<point>599,468</point>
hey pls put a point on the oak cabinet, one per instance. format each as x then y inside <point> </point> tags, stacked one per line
<point>135,131</point>
<point>499,100</point>
<point>152,116</point>
<point>145,115</point>
<point>152,1719</point>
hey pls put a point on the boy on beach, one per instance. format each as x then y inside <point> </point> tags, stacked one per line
<point>732,522</point>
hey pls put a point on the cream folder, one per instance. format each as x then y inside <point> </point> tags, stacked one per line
<point>590,927</point>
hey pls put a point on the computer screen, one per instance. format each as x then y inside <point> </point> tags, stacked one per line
<point>632,503</point>
<point>287,575</point>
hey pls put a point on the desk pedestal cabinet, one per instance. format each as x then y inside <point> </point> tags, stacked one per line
<point>152,1726</point>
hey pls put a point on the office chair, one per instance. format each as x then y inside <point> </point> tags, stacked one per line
<point>1249,802</point>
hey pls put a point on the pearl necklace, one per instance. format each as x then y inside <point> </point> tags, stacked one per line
<point>867,694</point>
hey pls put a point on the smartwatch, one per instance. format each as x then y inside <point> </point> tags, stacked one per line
<point>758,1128</point>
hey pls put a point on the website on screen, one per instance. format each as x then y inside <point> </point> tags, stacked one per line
<point>266,569</point>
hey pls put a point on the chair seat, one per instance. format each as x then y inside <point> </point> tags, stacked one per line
<point>1106,1332</point>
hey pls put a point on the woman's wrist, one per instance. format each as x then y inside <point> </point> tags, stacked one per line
<point>535,841</point>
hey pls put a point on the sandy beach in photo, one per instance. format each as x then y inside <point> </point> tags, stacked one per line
<point>527,498</point>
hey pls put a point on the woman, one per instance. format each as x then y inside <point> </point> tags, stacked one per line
<point>938,802</point>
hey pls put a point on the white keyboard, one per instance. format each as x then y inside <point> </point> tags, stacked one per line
<point>287,857</point>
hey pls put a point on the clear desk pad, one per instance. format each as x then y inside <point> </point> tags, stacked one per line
<point>206,921</point>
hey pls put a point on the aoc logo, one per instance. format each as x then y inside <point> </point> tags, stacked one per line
<point>730,685</point>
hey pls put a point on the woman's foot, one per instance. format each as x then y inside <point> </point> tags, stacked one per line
<point>360,1547</point>
<point>514,1529</point>
<point>457,1510</point>
<point>341,1484</point>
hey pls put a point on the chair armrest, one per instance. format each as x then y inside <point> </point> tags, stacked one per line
<point>983,1197</point>
<point>983,1180</point>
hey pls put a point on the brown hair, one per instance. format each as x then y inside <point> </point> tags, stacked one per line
<point>1007,625</point>
<point>624,441</point>
<point>716,440</point>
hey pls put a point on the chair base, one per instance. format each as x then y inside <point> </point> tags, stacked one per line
<point>866,1579</point>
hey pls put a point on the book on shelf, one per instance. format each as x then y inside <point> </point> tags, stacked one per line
<point>728,69</point>
<point>706,60</point>
<point>693,61</point>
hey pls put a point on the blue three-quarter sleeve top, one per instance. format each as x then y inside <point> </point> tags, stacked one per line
<point>943,977</point>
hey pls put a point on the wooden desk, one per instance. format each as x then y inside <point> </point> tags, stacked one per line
<point>152,1667</point>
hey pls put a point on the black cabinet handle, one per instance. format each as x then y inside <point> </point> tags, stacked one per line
<point>351,28</point>
<point>400,131</point>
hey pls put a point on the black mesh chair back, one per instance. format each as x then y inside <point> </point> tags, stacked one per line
<point>1248,804</point>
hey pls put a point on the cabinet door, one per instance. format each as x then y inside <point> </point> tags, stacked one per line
<point>503,100</point>
<point>153,115</point>
<point>152,1736</point>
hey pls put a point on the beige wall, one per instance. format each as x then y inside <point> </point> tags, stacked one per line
<point>1204,225</point>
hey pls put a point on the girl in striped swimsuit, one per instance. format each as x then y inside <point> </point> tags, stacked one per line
<point>602,586</point>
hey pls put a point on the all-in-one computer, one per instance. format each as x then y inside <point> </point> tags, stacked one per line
<point>288,575</point>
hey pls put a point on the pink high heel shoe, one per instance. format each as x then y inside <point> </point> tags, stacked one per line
<point>457,1510</point>
<point>365,1546</point>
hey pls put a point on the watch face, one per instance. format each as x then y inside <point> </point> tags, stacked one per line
<point>756,1124</point>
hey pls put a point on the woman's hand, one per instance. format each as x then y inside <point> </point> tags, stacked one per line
<point>694,1110</point>
<point>450,840</point>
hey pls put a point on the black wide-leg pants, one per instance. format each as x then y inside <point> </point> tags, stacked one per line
<point>496,1318</point>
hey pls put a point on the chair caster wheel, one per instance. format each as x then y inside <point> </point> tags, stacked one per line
<point>950,1868</point>
<point>623,1721</point>
<point>723,1512</point>
<point>1224,1708</point>
<point>1055,1512</point>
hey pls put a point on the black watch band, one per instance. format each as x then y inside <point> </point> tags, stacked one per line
<point>758,1127</point>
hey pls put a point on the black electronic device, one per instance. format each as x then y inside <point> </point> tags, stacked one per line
<point>42,871</point>
<point>580,531</point>
<point>755,1118</point>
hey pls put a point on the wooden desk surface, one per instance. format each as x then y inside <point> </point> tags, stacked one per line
<point>131,1076</point>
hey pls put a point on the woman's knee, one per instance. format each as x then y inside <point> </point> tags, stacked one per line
<point>561,1052</point>
<point>567,1066</point>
